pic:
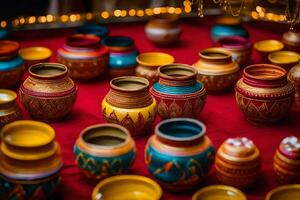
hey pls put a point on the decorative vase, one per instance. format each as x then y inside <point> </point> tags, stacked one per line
<point>285,59</point>
<point>239,47</point>
<point>294,78</point>
<point>291,41</point>
<point>11,64</point>
<point>94,29</point>
<point>163,29</point>
<point>238,162</point>
<point>30,161</point>
<point>48,93</point>
<point>104,150</point>
<point>178,93</point>
<point>179,155</point>
<point>122,56</point>
<point>286,163</point>
<point>130,104</point>
<point>84,56</point>
<point>216,70</point>
<point>263,93</point>
<point>149,62</point>
<point>9,109</point>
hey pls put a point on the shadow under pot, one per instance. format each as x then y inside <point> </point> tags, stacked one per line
<point>129,103</point>
<point>178,93</point>
<point>179,155</point>
<point>104,150</point>
<point>48,93</point>
<point>263,93</point>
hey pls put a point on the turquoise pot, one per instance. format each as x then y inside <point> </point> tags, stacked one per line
<point>122,60</point>
<point>11,64</point>
<point>220,31</point>
<point>11,72</point>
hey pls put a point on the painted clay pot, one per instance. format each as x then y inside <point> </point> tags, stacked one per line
<point>48,93</point>
<point>122,56</point>
<point>149,62</point>
<point>84,56</point>
<point>239,47</point>
<point>294,78</point>
<point>221,192</point>
<point>238,162</point>
<point>35,55</point>
<point>163,29</point>
<point>129,103</point>
<point>94,29</point>
<point>263,93</point>
<point>30,161</point>
<point>104,150</point>
<point>265,47</point>
<point>179,155</point>
<point>11,64</point>
<point>285,59</point>
<point>216,70</point>
<point>9,109</point>
<point>178,93</point>
<point>285,192</point>
<point>286,163</point>
<point>291,41</point>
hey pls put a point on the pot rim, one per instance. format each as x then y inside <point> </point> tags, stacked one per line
<point>281,189</point>
<point>12,96</point>
<point>287,53</point>
<point>227,54</point>
<point>169,59</point>
<point>279,46</point>
<point>118,41</point>
<point>132,79</point>
<point>219,187</point>
<point>82,40</point>
<point>270,66</point>
<point>178,65</point>
<point>53,65</point>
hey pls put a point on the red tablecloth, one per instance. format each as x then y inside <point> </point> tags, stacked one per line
<point>221,114</point>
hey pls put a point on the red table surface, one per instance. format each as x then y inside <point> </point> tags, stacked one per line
<point>221,115</point>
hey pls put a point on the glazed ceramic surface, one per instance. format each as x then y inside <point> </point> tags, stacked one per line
<point>265,47</point>
<point>84,56</point>
<point>216,70</point>
<point>94,29</point>
<point>149,62</point>
<point>178,93</point>
<point>287,160</point>
<point>48,93</point>
<point>34,55</point>
<point>127,187</point>
<point>219,192</point>
<point>285,59</point>
<point>104,150</point>
<point>163,29</point>
<point>291,41</point>
<point>294,78</point>
<point>290,192</point>
<point>238,162</point>
<point>9,109</point>
<point>179,155</point>
<point>130,104</point>
<point>263,93</point>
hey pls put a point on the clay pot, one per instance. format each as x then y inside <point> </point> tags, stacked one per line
<point>265,47</point>
<point>11,64</point>
<point>104,150</point>
<point>284,192</point>
<point>163,29</point>
<point>179,155</point>
<point>285,59</point>
<point>84,56</point>
<point>239,47</point>
<point>216,70</point>
<point>294,78</point>
<point>9,109</point>
<point>238,162</point>
<point>30,161</point>
<point>122,56</point>
<point>178,93</point>
<point>263,93</point>
<point>35,55</point>
<point>291,41</point>
<point>130,104</point>
<point>48,93</point>
<point>286,163</point>
<point>149,62</point>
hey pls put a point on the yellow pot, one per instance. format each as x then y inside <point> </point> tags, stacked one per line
<point>264,47</point>
<point>286,192</point>
<point>34,55</point>
<point>215,192</point>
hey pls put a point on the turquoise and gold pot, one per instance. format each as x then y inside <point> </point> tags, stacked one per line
<point>179,155</point>
<point>104,150</point>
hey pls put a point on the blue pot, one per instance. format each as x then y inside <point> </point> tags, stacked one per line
<point>11,72</point>
<point>94,29</point>
<point>3,33</point>
<point>219,31</point>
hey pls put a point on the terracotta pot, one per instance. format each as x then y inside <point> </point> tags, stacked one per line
<point>104,150</point>
<point>216,70</point>
<point>239,47</point>
<point>30,161</point>
<point>179,155</point>
<point>285,59</point>
<point>9,109</point>
<point>291,41</point>
<point>238,162</point>
<point>178,93</point>
<point>48,93</point>
<point>294,78</point>
<point>163,29</point>
<point>130,104</point>
<point>84,56</point>
<point>286,163</point>
<point>149,62</point>
<point>263,93</point>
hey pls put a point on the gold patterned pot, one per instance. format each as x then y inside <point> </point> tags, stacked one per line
<point>291,41</point>
<point>294,78</point>
<point>48,93</point>
<point>130,104</point>
<point>216,70</point>
<point>263,93</point>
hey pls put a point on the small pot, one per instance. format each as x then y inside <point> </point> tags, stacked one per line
<point>104,150</point>
<point>291,41</point>
<point>265,47</point>
<point>285,59</point>
<point>291,192</point>
<point>294,78</point>
<point>219,192</point>
<point>35,55</point>
<point>48,93</point>
<point>94,29</point>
